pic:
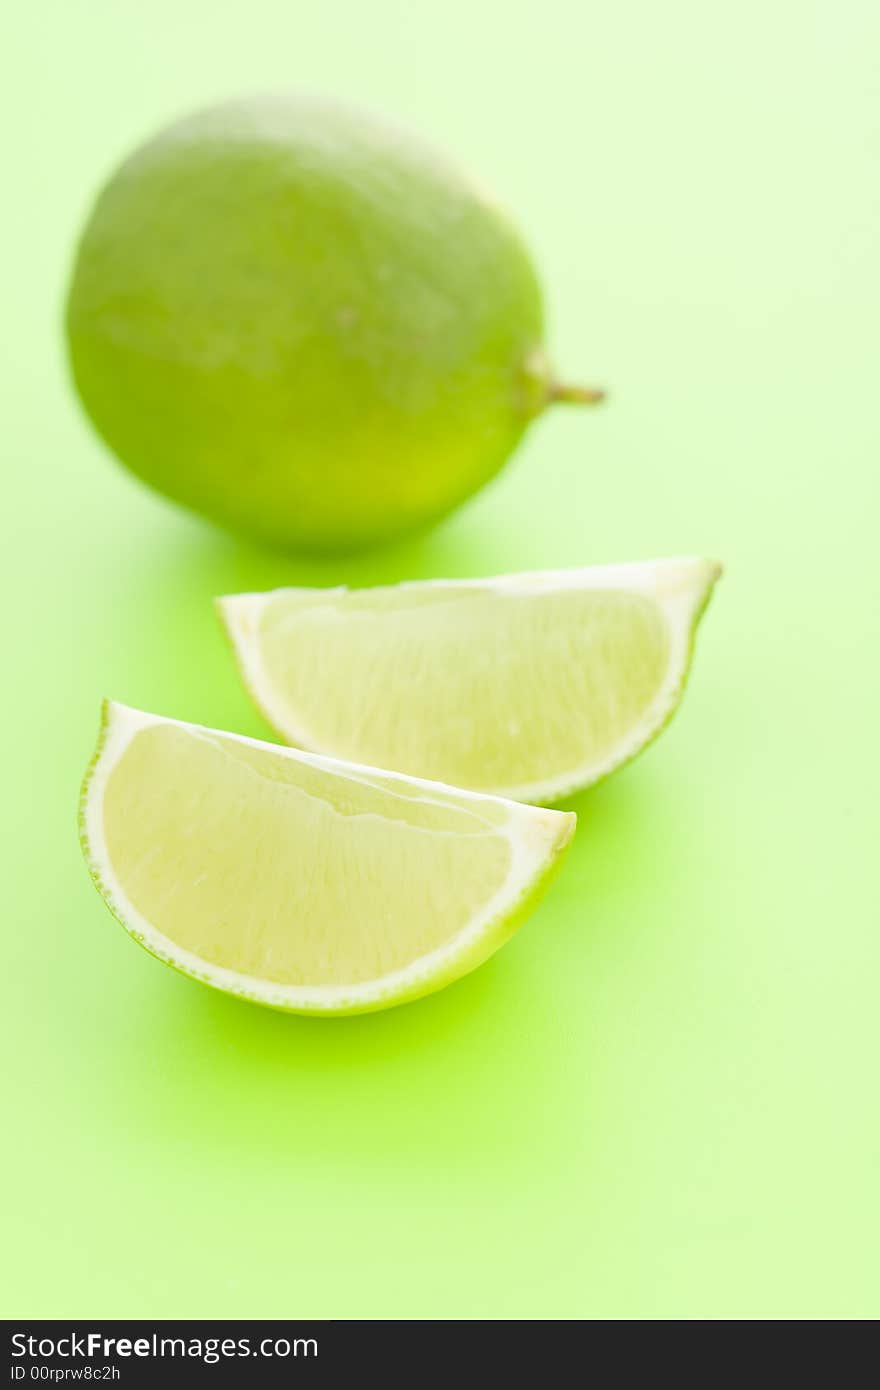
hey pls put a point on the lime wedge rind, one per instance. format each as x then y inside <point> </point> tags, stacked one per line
<point>538,841</point>
<point>679,587</point>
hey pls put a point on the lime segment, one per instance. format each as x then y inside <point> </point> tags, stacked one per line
<point>297,881</point>
<point>529,686</point>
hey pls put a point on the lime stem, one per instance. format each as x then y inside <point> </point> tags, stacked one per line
<point>574,395</point>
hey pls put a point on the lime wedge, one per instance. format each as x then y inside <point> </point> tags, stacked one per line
<point>299,882</point>
<point>530,686</point>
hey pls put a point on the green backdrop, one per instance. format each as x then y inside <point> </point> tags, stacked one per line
<point>660,1101</point>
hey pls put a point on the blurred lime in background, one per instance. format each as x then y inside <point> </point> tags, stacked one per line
<point>306,323</point>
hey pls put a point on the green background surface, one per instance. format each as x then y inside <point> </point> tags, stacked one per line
<point>660,1100</point>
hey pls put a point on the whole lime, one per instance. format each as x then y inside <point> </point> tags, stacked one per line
<point>304,323</point>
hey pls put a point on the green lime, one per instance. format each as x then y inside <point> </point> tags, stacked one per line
<point>306,324</point>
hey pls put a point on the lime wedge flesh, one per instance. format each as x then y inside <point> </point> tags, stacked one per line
<point>298,881</point>
<point>530,686</point>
